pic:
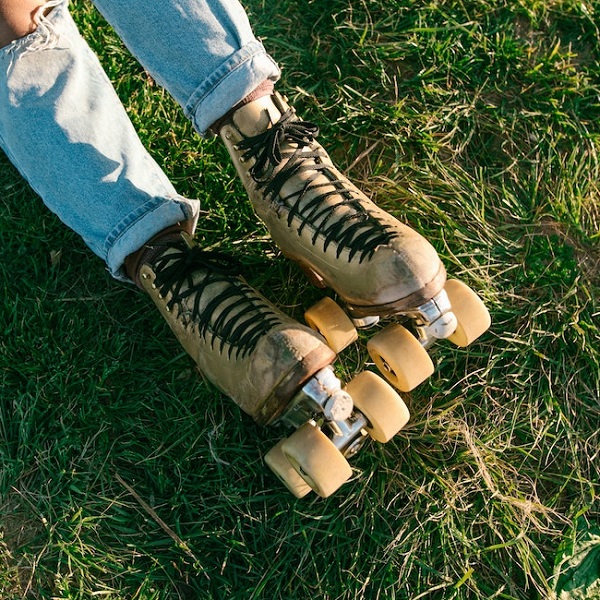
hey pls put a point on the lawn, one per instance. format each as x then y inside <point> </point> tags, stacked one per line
<point>124,475</point>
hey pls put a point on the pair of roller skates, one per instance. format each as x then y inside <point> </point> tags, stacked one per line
<point>279,371</point>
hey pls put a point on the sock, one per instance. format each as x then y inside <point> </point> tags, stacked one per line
<point>150,249</point>
<point>264,89</point>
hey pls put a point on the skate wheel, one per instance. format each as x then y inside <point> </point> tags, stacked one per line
<point>281,466</point>
<point>330,320</point>
<point>400,357</point>
<point>380,404</point>
<point>314,456</point>
<point>471,313</point>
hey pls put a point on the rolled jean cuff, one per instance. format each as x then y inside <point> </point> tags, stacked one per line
<point>242,73</point>
<point>143,224</point>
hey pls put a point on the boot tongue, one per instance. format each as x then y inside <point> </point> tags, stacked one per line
<point>256,117</point>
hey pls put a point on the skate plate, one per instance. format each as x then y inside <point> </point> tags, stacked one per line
<point>332,424</point>
<point>399,350</point>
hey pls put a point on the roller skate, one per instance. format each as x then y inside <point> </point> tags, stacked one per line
<point>377,266</point>
<point>275,369</point>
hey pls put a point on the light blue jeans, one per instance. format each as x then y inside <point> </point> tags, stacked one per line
<point>58,108</point>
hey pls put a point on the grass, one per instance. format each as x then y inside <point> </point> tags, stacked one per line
<point>125,476</point>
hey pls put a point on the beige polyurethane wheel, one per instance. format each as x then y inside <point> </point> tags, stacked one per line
<point>382,406</point>
<point>471,313</point>
<point>316,459</point>
<point>281,466</point>
<point>400,357</point>
<point>330,320</point>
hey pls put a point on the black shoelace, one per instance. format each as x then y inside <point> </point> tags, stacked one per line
<point>236,315</point>
<point>358,231</point>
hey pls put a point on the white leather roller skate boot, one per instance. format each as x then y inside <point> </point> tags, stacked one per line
<point>378,266</point>
<point>275,369</point>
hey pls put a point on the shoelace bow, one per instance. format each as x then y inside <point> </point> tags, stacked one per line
<point>235,315</point>
<point>357,230</point>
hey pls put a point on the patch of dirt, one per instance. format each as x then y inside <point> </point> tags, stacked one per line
<point>18,529</point>
<point>587,257</point>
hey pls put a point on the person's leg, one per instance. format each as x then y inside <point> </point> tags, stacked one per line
<point>203,52</point>
<point>63,126</point>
